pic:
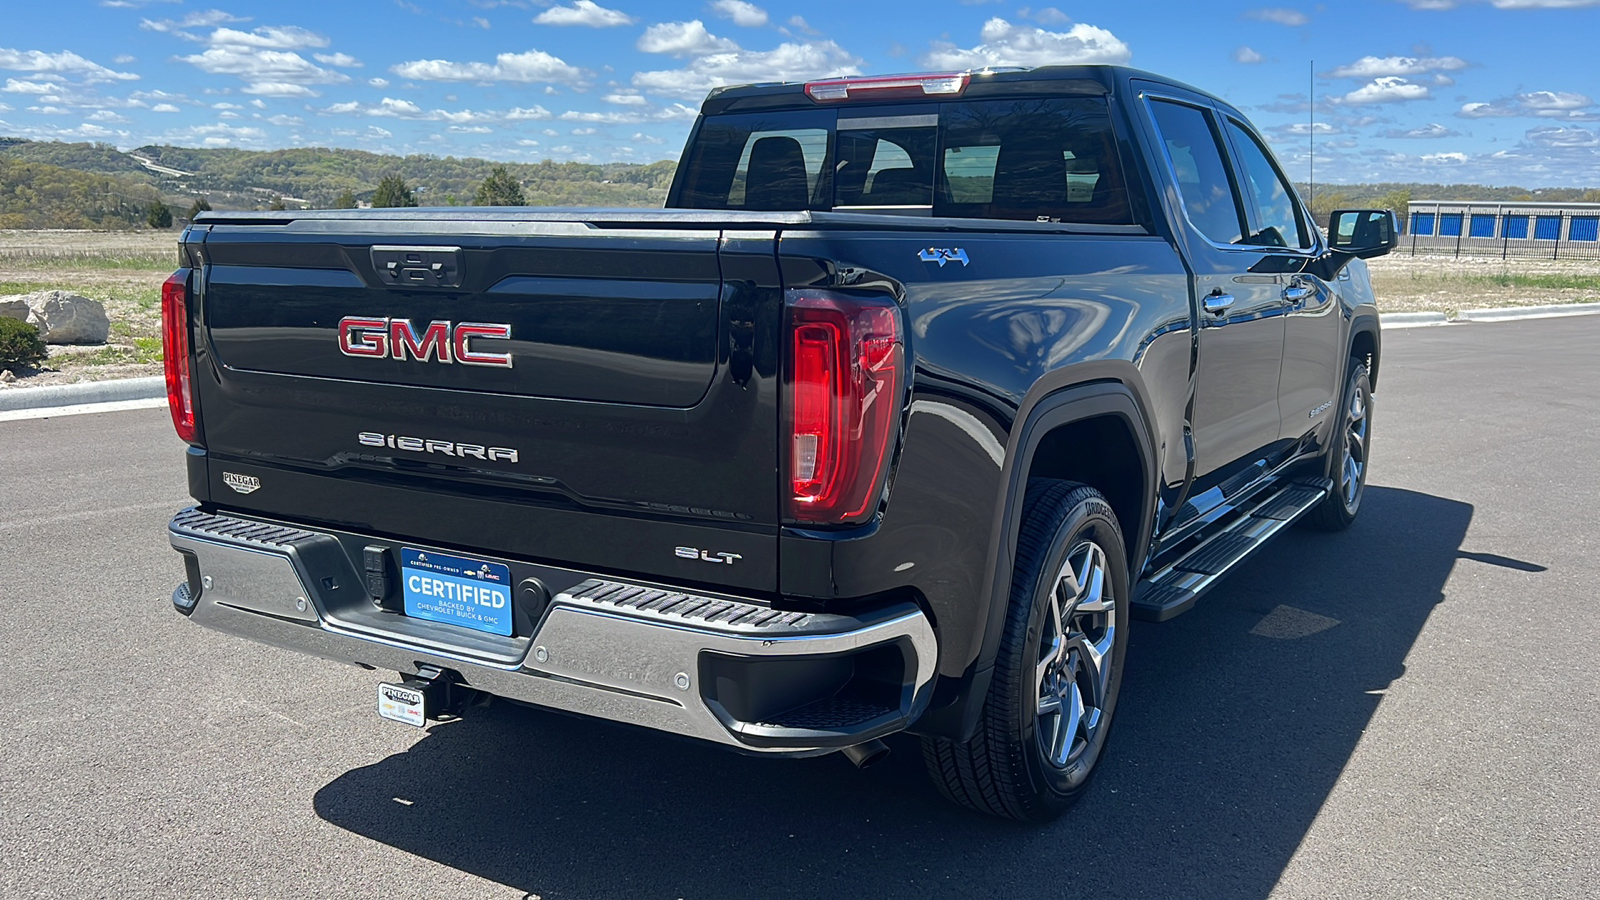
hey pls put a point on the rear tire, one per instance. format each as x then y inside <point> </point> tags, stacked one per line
<point>1048,713</point>
<point>1348,454</point>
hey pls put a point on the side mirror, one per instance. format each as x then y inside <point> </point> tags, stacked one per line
<point>1364,233</point>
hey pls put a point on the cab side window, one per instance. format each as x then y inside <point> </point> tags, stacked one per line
<point>1204,183</point>
<point>1279,220</point>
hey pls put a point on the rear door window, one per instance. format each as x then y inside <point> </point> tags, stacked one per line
<point>1205,186</point>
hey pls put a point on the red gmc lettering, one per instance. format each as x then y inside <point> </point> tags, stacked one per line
<point>435,341</point>
<point>468,330</point>
<point>440,341</point>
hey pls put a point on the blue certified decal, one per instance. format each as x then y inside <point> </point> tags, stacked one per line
<point>457,591</point>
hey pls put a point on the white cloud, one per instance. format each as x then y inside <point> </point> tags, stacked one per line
<point>1430,131</point>
<point>683,39</point>
<point>1443,158</point>
<point>15,86</point>
<point>798,23</point>
<point>626,98</point>
<point>471,129</point>
<point>1389,89</point>
<point>279,89</point>
<point>531,112</point>
<point>164,108</point>
<point>677,112</point>
<point>1503,4</point>
<point>255,64</point>
<point>1291,17</point>
<point>272,37</point>
<point>378,82</point>
<point>532,66</point>
<point>106,115</point>
<point>344,60</point>
<point>610,118</point>
<point>642,138</point>
<point>285,120</point>
<point>1005,44</point>
<point>64,63</point>
<point>583,12</point>
<point>1369,67</point>
<point>788,62</point>
<point>584,131</point>
<point>1538,104</point>
<point>745,15</point>
<point>389,106</point>
<point>206,19</point>
<point>123,59</point>
<point>1247,56</point>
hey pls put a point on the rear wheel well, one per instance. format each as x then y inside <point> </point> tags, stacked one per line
<point>1364,346</point>
<point>1100,452</point>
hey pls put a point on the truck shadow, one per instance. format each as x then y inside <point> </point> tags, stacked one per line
<point>1236,721</point>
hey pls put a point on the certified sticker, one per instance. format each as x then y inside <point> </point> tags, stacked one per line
<point>244,484</point>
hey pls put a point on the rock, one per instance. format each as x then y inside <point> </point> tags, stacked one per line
<point>14,307</point>
<point>6,377</point>
<point>63,317</point>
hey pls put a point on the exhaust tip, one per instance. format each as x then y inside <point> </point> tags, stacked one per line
<point>867,754</point>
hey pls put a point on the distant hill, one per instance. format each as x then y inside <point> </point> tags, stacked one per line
<point>306,177</point>
<point>36,195</point>
<point>59,185</point>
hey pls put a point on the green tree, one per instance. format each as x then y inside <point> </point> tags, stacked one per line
<point>1398,200</point>
<point>346,200</point>
<point>500,189</point>
<point>157,215</point>
<point>393,191</point>
<point>276,204</point>
<point>199,206</point>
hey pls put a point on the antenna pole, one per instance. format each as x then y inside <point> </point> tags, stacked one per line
<point>1311,138</point>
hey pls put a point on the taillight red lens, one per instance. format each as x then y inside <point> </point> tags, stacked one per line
<point>175,351</point>
<point>844,394</point>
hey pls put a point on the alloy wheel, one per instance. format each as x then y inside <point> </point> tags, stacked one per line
<point>1073,671</point>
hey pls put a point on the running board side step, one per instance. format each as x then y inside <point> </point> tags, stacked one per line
<point>1176,587</point>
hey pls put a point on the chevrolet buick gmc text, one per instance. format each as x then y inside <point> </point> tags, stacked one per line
<point>916,391</point>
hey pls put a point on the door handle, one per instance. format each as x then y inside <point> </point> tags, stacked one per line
<point>1298,293</point>
<point>1217,302</point>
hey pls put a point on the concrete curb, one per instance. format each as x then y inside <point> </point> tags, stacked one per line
<point>1411,319</point>
<point>1508,313</point>
<point>1498,314</point>
<point>82,393</point>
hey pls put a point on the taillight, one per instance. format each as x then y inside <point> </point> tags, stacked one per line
<point>844,378</point>
<point>175,350</point>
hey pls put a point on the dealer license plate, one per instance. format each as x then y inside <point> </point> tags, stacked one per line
<point>402,704</point>
<point>455,590</point>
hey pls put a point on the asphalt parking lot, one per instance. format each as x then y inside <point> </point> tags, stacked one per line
<point>1406,709</point>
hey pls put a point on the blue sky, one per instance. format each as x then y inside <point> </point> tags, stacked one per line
<point>1487,91</point>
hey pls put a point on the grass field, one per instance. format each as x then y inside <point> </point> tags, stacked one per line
<point>124,270</point>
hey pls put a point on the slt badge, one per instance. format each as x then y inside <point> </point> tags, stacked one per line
<point>942,255</point>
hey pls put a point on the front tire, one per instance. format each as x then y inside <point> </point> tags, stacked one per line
<point>1348,454</point>
<point>1059,669</point>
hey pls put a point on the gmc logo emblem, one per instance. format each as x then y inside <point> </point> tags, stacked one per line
<point>442,341</point>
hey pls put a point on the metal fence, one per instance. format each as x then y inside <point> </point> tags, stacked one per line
<point>1547,230</point>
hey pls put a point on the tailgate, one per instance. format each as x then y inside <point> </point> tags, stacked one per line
<point>552,390</point>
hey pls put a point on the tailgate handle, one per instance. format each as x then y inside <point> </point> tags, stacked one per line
<point>418,268</point>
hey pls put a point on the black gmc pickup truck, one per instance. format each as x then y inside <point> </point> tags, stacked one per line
<point>918,389</point>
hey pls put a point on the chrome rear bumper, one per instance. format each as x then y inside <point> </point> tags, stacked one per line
<point>717,668</point>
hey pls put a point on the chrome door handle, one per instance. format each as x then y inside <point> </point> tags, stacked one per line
<point>1217,302</point>
<point>1298,293</point>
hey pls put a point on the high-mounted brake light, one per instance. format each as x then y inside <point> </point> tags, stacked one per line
<point>929,85</point>
<point>844,381</point>
<point>175,351</point>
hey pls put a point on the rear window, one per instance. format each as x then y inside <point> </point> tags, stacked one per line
<point>1045,159</point>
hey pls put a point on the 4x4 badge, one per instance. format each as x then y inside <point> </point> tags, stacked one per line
<point>942,255</point>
